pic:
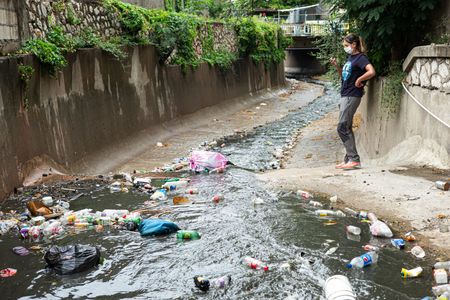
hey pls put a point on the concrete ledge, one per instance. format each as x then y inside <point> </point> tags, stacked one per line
<point>429,51</point>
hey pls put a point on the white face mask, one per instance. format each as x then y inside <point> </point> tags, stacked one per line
<point>348,49</point>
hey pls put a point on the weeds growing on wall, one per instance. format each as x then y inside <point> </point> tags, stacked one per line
<point>392,88</point>
<point>25,74</point>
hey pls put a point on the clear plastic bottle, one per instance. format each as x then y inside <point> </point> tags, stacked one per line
<point>192,191</point>
<point>159,195</point>
<point>255,264</point>
<point>363,260</point>
<point>327,212</point>
<point>442,265</point>
<point>353,230</point>
<point>379,228</point>
<point>173,185</point>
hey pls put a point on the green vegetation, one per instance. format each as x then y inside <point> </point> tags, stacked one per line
<point>391,28</point>
<point>174,35</point>
<point>25,74</point>
<point>392,88</point>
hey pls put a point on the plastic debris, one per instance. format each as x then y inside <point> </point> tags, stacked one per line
<point>188,235</point>
<point>398,243</point>
<point>334,199</point>
<point>72,259</point>
<point>179,200</point>
<point>338,287</point>
<point>364,260</point>
<point>417,251</point>
<point>8,272</point>
<point>253,263</point>
<point>19,250</point>
<point>440,276</point>
<point>155,227</point>
<point>416,272</point>
<point>206,160</point>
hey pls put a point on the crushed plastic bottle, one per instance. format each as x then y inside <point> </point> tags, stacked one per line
<point>442,265</point>
<point>380,229</point>
<point>398,243</point>
<point>353,230</point>
<point>417,251</point>
<point>326,212</point>
<point>440,276</point>
<point>253,263</point>
<point>192,191</point>
<point>364,260</point>
<point>315,203</point>
<point>416,272</point>
<point>159,195</point>
<point>8,272</point>
<point>440,289</point>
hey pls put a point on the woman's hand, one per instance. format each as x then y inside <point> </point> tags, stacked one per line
<point>358,83</point>
<point>333,61</point>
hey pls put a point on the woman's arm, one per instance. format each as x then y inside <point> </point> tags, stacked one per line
<point>338,69</point>
<point>370,73</point>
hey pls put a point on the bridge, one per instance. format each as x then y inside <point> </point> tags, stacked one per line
<point>304,24</point>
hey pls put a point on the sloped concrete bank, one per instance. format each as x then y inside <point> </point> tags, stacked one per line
<point>98,101</point>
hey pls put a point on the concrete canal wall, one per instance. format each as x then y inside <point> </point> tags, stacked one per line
<point>97,101</point>
<point>412,135</point>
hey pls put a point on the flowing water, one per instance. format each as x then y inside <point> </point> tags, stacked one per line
<point>283,232</point>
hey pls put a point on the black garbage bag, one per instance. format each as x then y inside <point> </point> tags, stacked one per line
<point>72,258</point>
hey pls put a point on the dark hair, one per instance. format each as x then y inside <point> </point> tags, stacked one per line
<point>353,38</point>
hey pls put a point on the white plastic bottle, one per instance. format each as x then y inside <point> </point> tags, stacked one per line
<point>255,264</point>
<point>363,260</point>
<point>338,287</point>
<point>173,185</point>
<point>326,212</point>
<point>353,230</point>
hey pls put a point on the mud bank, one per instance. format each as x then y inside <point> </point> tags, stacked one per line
<point>407,203</point>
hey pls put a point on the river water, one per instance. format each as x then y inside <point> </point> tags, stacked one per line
<point>283,232</point>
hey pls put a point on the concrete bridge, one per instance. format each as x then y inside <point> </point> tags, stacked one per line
<point>304,24</point>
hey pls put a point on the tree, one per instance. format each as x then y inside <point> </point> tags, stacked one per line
<point>391,28</point>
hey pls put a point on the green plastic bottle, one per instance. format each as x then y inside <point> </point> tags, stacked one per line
<point>188,235</point>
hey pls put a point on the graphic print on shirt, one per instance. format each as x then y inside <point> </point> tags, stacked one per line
<point>347,70</point>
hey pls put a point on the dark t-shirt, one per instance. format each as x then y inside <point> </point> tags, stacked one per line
<point>352,70</point>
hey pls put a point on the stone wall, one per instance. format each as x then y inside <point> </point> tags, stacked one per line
<point>147,3</point>
<point>98,101</point>
<point>431,73</point>
<point>9,26</point>
<point>72,15</point>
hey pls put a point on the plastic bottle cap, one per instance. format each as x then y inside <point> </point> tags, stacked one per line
<point>349,266</point>
<point>266,268</point>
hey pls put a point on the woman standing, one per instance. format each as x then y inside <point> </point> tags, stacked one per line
<point>356,71</point>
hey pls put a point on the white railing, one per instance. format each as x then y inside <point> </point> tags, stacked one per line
<point>303,29</point>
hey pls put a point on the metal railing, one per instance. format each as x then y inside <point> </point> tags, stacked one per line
<point>303,29</point>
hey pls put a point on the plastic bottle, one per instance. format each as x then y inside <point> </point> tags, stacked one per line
<point>217,198</point>
<point>442,265</point>
<point>24,231</point>
<point>363,260</point>
<point>188,235</point>
<point>159,195</point>
<point>440,289</point>
<point>173,185</point>
<point>362,215</point>
<point>34,232</point>
<point>440,276</point>
<point>378,228</point>
<point>304,194</point>
<point>338,287</point>
<point>255,264</point>
<point>371,248</point>
<point>398,243</point>
<point>416,272</point>
<point>205,284</point>
<point>326,212</point>
<point>52,228</point>
<point>315,203</point>
<point>353,230</point>
<point>372,217</point>
<point>192,191</point>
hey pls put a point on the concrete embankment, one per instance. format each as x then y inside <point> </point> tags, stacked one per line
<point>97,102</point>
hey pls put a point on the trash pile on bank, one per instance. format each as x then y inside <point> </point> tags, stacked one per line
<point>338,286</point>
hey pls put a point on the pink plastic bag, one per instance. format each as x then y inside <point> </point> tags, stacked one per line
<point>201,160</point>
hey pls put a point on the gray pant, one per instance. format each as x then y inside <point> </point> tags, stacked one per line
<point>347,109</point>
